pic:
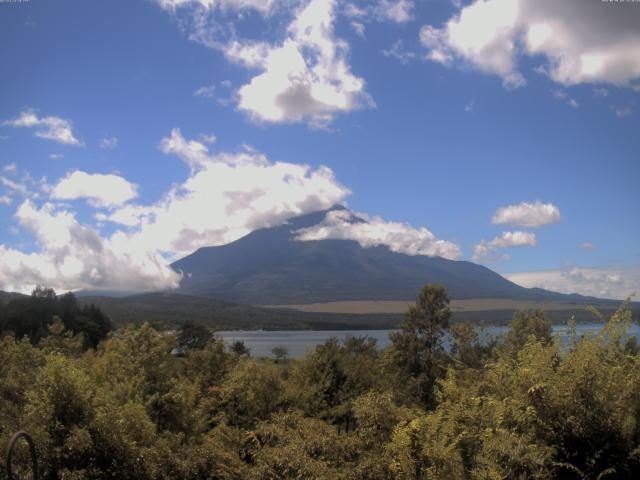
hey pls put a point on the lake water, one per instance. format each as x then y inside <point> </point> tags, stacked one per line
<point>298,342</point>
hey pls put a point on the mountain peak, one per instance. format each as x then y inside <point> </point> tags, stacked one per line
<point>271,266</point>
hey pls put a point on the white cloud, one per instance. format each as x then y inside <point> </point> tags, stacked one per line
<point>306,77</point>
<point>56,156</point>
<point>74,256</point>
<point>395,11</point>
<point>487,251</point>
<point>358,27</point>
<point>470,107</point>
<point>193,153</point>
<point>50,128</point>
<point>603,282</point>
<point>587,246</point>
<point>262,6</point>
<point>399,52</point>
<point>10,168</point>
<point>563,96</point>
<point>514,239</point>
<point>226,196</point>
<point>108,143</point>
<point>206,92</point>
<point>17,187</point>
<point>208,138</point>
<point>526,214</point>
<point>398,11</point>
<point>596,42</point>
<point>374,231</point>
<point>5,200</point>
<point>100,190</point>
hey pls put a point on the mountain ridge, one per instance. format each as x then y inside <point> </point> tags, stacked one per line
<point>269,266</point>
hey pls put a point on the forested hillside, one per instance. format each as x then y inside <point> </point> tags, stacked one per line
<point>525,406</point>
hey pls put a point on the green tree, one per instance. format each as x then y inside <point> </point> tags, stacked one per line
<point>239,348</point>
<point>416,350</point>
<point>526,325</point>
<point>280,353</point>
<point>194,336</point>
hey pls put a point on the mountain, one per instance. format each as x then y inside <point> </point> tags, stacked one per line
<point>269,266</point>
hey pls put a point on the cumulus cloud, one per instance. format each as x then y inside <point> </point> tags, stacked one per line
<point>5,200</point>
<point>579,42</point>
<point>50,128</point>
<point>604,282</point>
<point>226,196</point>
<point>74,256</point>
<point>306,77</point>
<point>56,156</point>
<point>374,231</point>
<point>100,190</point>
<point>10,168</point>
<point>488,251</point>
<point>587,246</point>
<point>514,239</point>
<point>526,214</point>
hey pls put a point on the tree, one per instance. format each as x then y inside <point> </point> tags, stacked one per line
<point>417,350</point>
<point>280,353</point>
<point>193,336</point>
<point>466,349</point>
<point>239,348</point>
<point>529,324</point>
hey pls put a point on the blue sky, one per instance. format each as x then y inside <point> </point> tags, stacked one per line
<point>422,114</point>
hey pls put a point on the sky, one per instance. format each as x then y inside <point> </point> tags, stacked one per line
<point>503,132</point>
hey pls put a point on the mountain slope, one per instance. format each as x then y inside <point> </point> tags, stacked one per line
<point>269,266</point>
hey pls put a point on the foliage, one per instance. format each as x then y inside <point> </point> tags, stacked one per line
<point>417,354</point>
<point>31,317</point>
<point>526,406</point>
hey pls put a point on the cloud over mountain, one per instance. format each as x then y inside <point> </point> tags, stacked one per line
<point>374,231</point>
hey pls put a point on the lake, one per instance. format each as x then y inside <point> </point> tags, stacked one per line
<point>298,342</point>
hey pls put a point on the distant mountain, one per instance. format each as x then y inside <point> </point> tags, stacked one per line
<point>269,266</point>
<point>6,297</point>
